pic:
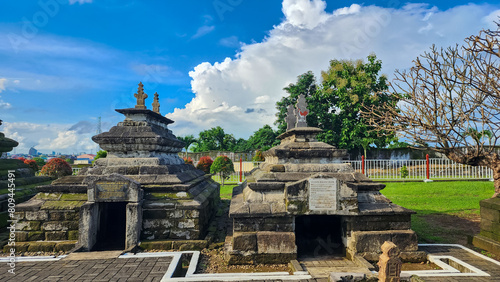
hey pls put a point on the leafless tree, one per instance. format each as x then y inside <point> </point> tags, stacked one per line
<point>450,103</point>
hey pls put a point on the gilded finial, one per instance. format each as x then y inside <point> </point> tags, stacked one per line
<point>156,104</point>
<point>141,97</point>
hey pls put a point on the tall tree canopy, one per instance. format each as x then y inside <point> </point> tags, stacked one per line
<point>451,102</point>
<point>188,141</point>
<point>214,139</point>
<point>335,104</point>
<point>262,139</point>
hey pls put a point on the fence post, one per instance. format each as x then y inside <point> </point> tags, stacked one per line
<point>363,164</point>
<point>241,169</point>
<point>427,166</point>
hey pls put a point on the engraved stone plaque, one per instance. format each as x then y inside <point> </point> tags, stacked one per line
<point>323,194</point>
<point>112,190</point>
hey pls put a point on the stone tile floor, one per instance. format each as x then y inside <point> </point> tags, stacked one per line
<point>153,268</point>
<point>111,269</point>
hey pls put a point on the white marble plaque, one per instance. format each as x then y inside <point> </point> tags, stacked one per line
<point>323,194</point>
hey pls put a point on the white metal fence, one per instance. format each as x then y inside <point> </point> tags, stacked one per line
<point>438,169</point>
<point>389,170</point>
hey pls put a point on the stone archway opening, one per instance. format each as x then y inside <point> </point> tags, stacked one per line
<point>318,235</point>
<point>111,231</point>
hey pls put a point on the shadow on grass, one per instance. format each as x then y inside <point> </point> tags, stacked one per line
<point>445,228</point>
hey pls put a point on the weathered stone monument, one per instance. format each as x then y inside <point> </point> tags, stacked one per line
<point>489,236</point>
<point>389,264</point>
<point>304,201</point>
<point>142,190</point>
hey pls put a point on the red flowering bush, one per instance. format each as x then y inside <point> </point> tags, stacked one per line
<point>204,164</point>
<point>33,165</point>
<point>57,167</point>
<point>188,160</point>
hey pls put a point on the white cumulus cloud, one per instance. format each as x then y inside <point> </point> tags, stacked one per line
<point>4,105</point>
<point>50,137</point>
<point>240,93</point>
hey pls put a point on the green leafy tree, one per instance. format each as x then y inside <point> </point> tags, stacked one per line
<point>214,139</point>
<point>188,141</point>
<point>39,161</point>
<point>240,145</point>
<point>204,164</point>
<point>348,86</point>
<point>263,139</point>
<point>101,154</point>
<point>306,84</point>
<point>223,166</point>
<point>258,157</point>
<point>57,167</point>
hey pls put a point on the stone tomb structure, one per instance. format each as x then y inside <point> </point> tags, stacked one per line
<point>303,201</point>
<point>142,190</point>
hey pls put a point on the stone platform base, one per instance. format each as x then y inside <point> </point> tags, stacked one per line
<point>41,246</point>
<point>260,248</point>
<point>486,244</point>
<point>168,245</point>
<point>489,237</point>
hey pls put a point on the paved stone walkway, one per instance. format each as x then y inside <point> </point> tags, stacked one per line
<point>116,269</point>
<point>320,268</point>
<point>486,266</point>
<point>104,268</point>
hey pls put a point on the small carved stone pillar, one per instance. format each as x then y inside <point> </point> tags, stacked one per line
<point>156,104</point>
<point>140,96</point>
<point>301,111</point>
<point>291,119</point>
<point>389,263</point>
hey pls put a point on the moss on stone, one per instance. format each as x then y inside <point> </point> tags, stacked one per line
<point>41,246</point>
<point>36,235</point>
<point>300,207</point>
<point>74,197</point>
<point>156,245</point>
<point>177,195</point>
<point>73,235</point>
<point>20,247</point>
<point>64,246</point>
<point>48,196</point>
<point>62,205</point>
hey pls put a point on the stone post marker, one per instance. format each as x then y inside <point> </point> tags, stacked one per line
<point>301,111</point>
<point>389,263</point>
<point>141,97</point>
<point>156,104</point>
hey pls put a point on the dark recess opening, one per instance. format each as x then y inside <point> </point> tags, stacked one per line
<point>112,226</point>
<point>318,235</point>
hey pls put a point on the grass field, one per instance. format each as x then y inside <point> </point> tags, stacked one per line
<point>447,212</point>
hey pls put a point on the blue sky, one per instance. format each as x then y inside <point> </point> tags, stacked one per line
<point>218,62</point>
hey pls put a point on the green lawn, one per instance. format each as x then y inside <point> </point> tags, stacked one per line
<point>226,191</point>
<point>447,212</point>
<point>440,197</point>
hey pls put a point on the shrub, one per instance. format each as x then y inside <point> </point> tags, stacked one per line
<point>204,164</point>
<point>222,166</point>
<point>57,168</point>
<point>404,171</point>
<point>188,160</point>
<point>258,156</point>
<point>33,165</point>
<point>39,161</point>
